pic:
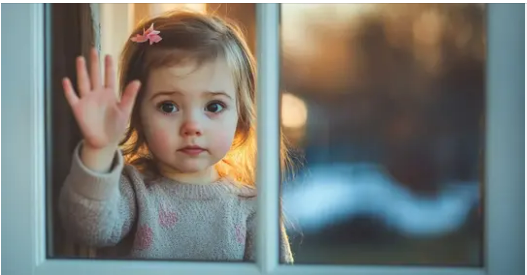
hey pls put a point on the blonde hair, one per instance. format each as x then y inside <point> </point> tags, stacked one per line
<point>201,37</point>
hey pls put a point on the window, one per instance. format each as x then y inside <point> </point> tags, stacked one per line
<point>24,169</point>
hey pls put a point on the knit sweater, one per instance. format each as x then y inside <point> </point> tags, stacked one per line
<point>160,219</point>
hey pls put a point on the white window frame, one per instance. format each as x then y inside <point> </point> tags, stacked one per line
<point>24,230</point>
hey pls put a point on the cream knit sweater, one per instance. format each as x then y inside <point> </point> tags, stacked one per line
<point>160,219</point>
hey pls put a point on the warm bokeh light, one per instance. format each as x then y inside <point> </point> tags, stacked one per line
<point>294,111</point>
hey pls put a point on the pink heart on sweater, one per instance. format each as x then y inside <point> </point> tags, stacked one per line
<point>240,233</point>
<point>144,237</point>
<point>167,218</point>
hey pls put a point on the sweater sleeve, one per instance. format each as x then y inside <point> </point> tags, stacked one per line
<point>97,209</point>
<point>286,256</point>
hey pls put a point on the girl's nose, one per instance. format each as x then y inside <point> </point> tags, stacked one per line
<point>191,128</point>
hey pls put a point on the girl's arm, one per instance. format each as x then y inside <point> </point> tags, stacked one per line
<point>286,256</point>
<point>97,208</point>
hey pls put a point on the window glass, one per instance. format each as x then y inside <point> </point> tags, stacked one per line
<point>383,104</point>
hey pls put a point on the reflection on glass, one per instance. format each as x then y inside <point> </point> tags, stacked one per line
<point>385,104</point>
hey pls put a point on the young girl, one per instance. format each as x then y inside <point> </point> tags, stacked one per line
<point>181,186</point>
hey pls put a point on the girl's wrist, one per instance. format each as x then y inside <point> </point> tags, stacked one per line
<point>98,159</point>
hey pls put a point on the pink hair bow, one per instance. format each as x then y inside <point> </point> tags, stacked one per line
<point>148,35</point>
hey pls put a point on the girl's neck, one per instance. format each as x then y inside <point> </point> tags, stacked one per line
<point>203,177</point>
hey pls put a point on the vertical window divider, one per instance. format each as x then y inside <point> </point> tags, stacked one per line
<point>268,164</point>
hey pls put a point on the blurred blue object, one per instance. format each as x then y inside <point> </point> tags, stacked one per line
<point>330,194</point>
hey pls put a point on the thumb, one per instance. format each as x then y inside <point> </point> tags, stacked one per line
<point>129,95</point>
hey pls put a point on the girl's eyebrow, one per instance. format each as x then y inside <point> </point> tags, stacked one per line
<point>218,93</point>
<point>168,93</point>
<point>165,93</point>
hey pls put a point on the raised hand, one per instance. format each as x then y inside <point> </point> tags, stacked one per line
<point>101,116</point>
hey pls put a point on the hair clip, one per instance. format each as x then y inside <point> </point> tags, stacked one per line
<point>148,35</point>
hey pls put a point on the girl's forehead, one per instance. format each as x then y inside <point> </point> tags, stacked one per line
<point>191,77</point>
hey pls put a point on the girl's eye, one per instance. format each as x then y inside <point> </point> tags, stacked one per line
<point>168,107</point>
<point>215,107</point>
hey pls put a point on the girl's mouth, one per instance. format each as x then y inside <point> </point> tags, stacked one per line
<point>192,150</point>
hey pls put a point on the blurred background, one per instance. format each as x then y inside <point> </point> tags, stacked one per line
<point>384,103</point>
<point>383,107</point>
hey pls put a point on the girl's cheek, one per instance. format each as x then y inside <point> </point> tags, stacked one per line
<point>224,133</point>
<point>159,140</point>
<point>223,141</point>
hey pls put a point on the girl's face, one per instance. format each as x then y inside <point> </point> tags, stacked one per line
<point>189,115</point>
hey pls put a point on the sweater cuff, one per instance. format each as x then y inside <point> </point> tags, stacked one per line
<point>91,184</point>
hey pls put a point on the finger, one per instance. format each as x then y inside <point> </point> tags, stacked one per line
<point>109,78</point>
<point>82,77</point>
<point>95,70</point>
<point>69,92</point>
<point>129,95</point>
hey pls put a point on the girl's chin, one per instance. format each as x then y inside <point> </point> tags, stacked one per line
<point>189,168</point>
